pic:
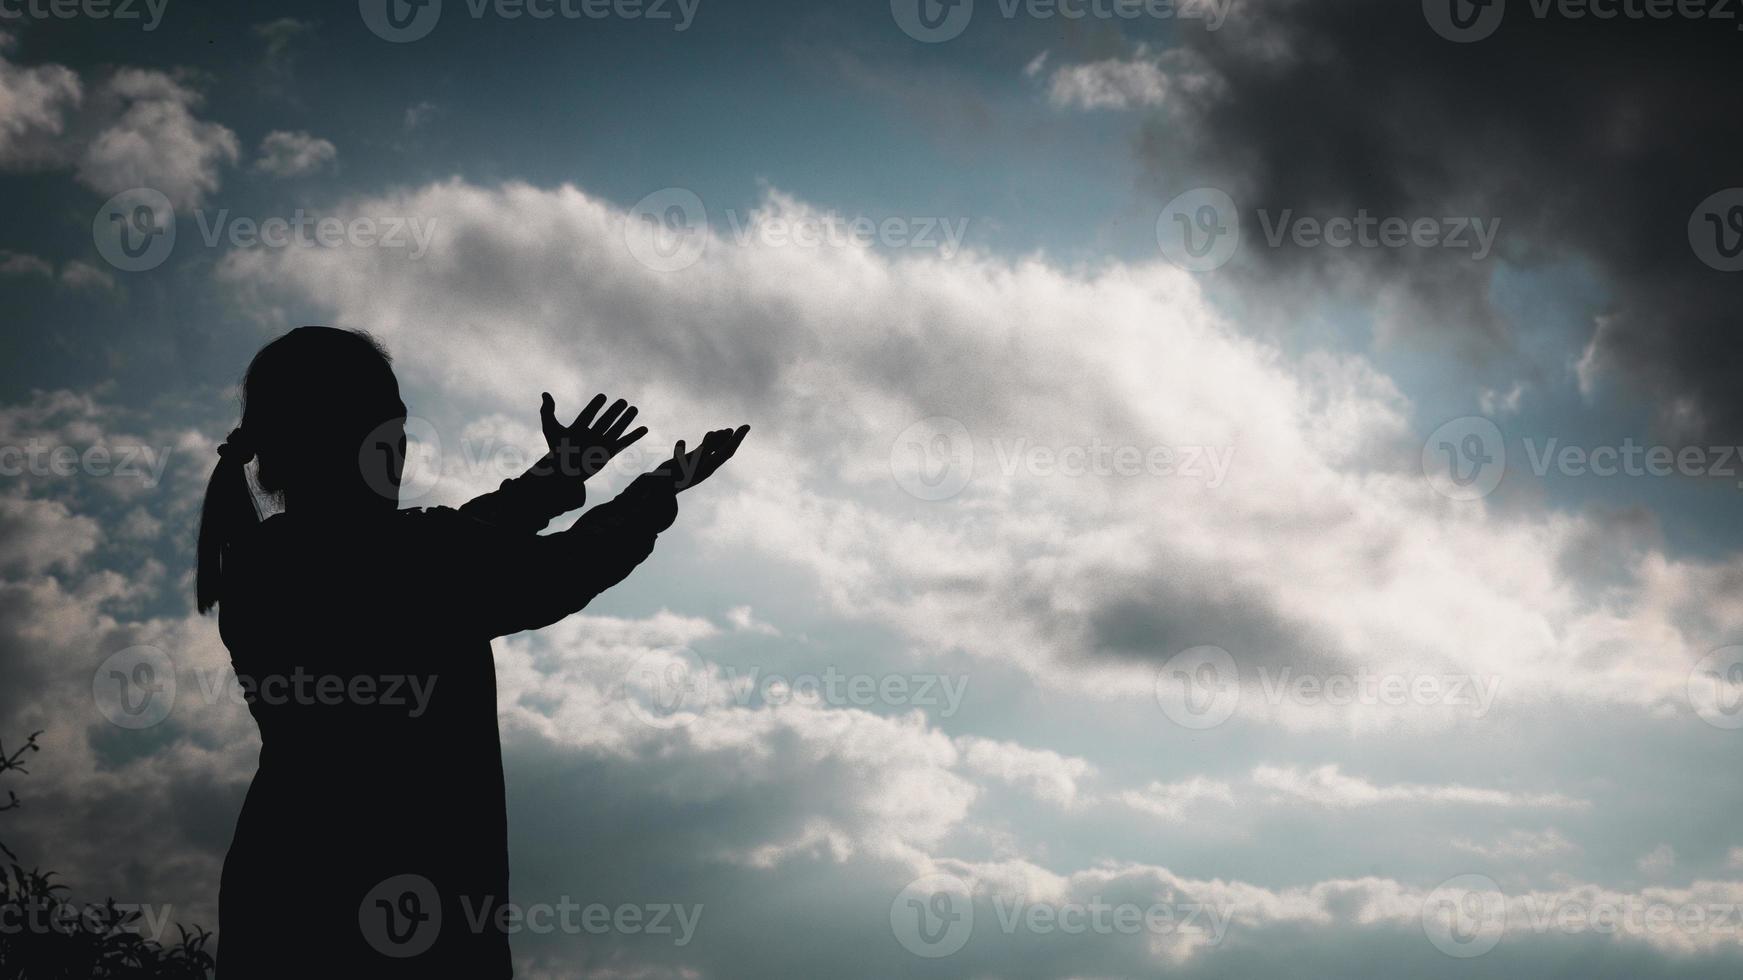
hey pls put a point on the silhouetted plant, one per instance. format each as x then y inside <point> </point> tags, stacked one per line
<point>46,936</point>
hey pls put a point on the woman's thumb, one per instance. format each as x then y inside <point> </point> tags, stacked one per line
<point>548,415</point>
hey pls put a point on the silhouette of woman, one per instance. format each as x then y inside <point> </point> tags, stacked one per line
<point>373,841</point>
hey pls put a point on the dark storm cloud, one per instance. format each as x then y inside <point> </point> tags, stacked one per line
<point>1163,614</point>
<point>1588,139</point>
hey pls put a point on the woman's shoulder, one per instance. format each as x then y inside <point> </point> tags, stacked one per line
<point>284,536</point>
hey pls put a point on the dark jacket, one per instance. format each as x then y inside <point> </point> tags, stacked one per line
<point>374,833</point>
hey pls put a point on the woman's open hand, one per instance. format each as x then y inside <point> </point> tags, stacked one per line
<point>686,469</point>
<point>583,447</point>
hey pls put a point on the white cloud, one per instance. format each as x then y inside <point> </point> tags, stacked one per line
<point>38,536</point>
<point>22,264</point>
<point>1141,81</point>
<point>1518,845</point>
<point>75,274</point>
<point>1657,862</point>
<point>151,138</point>
<point>1112,84</point>
<point>34,105</point>
<point>1592,364</point>
<point>1501,404</point>
<point>1351,909</point>
<point>418,114</point>
<point>139,525</point>
<point>1328,786</point>
<point>875,785</point>
<point>744,619</point>
<point>81,275</point>
<point>284,154</point>
<point>132,128</point>
<point>281,34</point>
<point>1047,775</point>
<point>1172,801</point>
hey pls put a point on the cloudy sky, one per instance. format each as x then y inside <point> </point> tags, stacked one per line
<point>1235,488</point>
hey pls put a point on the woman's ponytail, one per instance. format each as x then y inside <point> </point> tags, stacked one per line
<point>228,511</point>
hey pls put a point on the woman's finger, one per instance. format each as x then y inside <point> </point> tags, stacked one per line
<point>586,416</point>
<point>625,442</point>
<point>611,414</point>
<point>621,424</point>
<point>548,418</point>
<point>736,440</point>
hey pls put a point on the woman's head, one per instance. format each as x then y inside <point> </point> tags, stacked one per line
<point>321,413</point>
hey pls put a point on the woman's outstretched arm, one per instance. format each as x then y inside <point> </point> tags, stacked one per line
<point>518,582</point>
<point>556,484</point>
